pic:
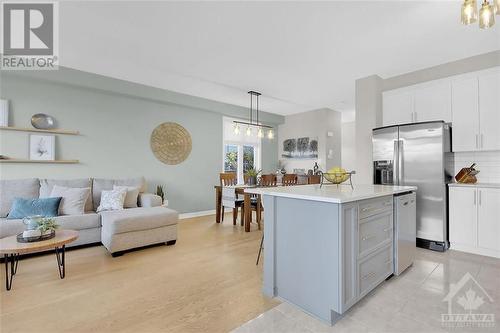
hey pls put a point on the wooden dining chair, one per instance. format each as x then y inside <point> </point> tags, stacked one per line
<point>289,179</point>
<point>314,179</point>
<point>231,179</point>
<point>268,180</point>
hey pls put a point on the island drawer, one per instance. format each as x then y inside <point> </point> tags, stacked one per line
<point>375,206</point>
<point>374,269</point>
<point>373,232</point>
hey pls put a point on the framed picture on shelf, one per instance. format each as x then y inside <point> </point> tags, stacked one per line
<point>42,147</point>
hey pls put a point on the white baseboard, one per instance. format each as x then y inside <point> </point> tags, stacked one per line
<point>196,214</point>
<point>475,250</point>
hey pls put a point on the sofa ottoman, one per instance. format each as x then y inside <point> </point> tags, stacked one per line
<point>137,227</point>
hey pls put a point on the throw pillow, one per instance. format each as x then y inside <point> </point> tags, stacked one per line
<point>73,199</point>
<point>46,207</point>
<point>112,200</point>
<point>131,197</point>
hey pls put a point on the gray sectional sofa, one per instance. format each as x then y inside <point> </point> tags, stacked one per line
<point>150,223</point>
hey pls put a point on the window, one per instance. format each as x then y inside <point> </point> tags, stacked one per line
<point>240,152</point>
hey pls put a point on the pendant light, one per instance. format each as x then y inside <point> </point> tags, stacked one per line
<point>469,12</point>
<point>251,124</point>
<point>486,15</point>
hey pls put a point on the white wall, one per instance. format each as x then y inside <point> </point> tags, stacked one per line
<point>315,123</point>
<point>348,141</point>
<point>368,116</point>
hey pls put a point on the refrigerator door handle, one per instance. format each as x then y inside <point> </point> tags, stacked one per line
<point>395,162</point>
<point>400,162</point>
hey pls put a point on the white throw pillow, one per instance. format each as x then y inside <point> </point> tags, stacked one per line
<point>112,200</point>
<point>73,199</point>
<point>131,197</point>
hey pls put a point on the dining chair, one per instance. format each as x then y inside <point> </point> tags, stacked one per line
<point>289,179</point>
<point>265,180</point>
<point>231,179</point>
<point>314,179</point>
<point>268,180</point>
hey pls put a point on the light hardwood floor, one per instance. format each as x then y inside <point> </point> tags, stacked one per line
<point>207,282</point>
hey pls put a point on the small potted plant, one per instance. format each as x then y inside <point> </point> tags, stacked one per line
<point>251,176</point>
<point>160,193</point>
<point>47,225</point>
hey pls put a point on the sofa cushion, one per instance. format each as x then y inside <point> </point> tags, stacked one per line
<point>46,207</point>
<point>73,199</point>
<point>100,185</point>
<point>131,196</point>
<point>46,186</point>
<point>75,222</point>
<point>79,222</point>
<point>17,188</point>
<point>137,219</point>
<point>11,227</point>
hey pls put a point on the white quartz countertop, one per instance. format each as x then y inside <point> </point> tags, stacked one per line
<point>332,193</point>
<point>493,185</point>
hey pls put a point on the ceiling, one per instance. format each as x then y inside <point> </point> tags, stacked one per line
<point>300,55</point>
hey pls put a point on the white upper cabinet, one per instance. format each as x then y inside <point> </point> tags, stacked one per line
<point>471,102</point>
<point>433,101</point>
<point>397,107</point>
<point>465,120</point>
<point>422,102</point>
<point>489,110</point>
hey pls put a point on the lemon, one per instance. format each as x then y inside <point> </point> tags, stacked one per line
<point>337,175</point>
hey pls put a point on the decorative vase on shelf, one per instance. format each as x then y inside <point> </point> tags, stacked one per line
<point>43,121</point>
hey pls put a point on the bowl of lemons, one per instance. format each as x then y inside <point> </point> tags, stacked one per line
<point>336,175</point>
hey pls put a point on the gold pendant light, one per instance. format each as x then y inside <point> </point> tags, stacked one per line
<point>486,15</point>
<point>469,12</point>
<point>496,4</point>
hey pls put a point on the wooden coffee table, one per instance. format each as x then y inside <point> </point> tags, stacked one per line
<point>12,249</point>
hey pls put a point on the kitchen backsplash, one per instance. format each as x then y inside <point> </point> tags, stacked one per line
<point>487,162</point>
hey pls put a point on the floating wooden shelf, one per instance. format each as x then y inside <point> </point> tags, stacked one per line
<point>20,160</point>
<point>26,129</point>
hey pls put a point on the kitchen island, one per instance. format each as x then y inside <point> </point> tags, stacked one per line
<point>327,247</point>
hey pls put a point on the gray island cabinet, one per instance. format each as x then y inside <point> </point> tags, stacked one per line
<point>326,248</point>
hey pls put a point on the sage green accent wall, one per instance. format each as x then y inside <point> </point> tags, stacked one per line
<point>115,119</point>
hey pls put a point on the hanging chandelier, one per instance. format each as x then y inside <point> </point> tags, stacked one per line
<point>253,123</point>
<point>469,13</point>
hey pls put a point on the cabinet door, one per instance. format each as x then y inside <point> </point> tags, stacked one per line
<point>489,110</point>
<point>463,216</point>
<point>465,114</point>
<point>433,101</point>
<point>488,223</point>
<point>349,230</point>
<point>397,107</point>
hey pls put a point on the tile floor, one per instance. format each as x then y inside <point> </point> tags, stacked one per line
<point>412,302</point>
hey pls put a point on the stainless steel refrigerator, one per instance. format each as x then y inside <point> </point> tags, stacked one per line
<point>418,154</point>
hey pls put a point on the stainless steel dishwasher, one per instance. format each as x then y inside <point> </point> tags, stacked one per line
<point>405,231</point>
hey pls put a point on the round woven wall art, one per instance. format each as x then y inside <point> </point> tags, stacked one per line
<point>171,143</point>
